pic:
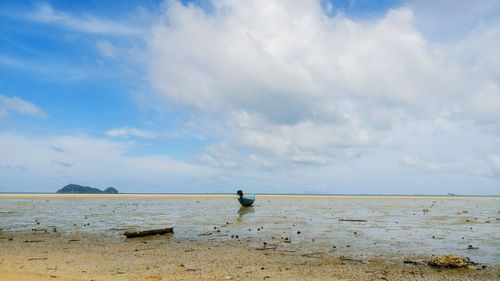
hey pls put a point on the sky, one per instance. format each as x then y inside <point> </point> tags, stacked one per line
<point>313,96</point>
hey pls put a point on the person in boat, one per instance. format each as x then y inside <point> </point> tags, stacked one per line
<point>239,193</point>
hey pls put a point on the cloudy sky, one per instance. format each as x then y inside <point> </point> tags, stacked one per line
<point>351,97</point>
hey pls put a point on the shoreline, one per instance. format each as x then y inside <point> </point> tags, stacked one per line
<point>93,257</point>
<point>208,195</point>
<point>379,225</point>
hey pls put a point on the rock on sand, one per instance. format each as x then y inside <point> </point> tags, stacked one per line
<point>449,261</point>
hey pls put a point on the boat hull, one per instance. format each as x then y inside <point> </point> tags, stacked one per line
<point>246,201</point>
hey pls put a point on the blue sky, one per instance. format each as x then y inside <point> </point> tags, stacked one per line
<point>368,97</point>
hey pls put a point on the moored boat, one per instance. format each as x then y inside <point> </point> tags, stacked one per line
<point>245,200</point>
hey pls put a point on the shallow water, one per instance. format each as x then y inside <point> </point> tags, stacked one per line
<point>394,226</point>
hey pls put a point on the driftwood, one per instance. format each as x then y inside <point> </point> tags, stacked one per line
<point>342,258</point>
<point>265,248</point>
<point>131,234</point>
<point>313,254</point>
<point>352,220</point>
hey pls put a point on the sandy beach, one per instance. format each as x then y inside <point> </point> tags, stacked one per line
<point>73,237</point>
<point>48,257</point>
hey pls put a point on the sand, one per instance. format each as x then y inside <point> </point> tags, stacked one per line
<point>54,257</point>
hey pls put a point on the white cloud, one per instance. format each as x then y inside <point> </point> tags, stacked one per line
<point>447,20</point>
<point>300,77</point>
<point>283,86</point>
<point>82,23</point>
<point>487,100</point>
<point>55,71</point>
<point>131,132</point>
<point>20,106</point>
<point>310,83</point>
<point>302,140</point>
<point>430,166</point>
<point>490,167</point>
<point>91,161</point>
<point>286,61</point>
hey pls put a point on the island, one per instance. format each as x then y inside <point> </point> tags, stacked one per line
<point>80,189</point>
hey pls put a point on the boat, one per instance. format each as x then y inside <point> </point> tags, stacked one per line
<point>245,200</point>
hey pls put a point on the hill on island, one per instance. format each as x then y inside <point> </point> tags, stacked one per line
<point>76,188</point>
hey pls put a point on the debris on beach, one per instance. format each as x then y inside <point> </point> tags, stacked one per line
<point>314,254</point>
<point>266,248</point>
<point>450,261</point>
<point>37,259</point>
<point>414,262</point>
<point>192,269</point>
<point>132,234</point>
<point>344,258</point>
<point>353,220</point>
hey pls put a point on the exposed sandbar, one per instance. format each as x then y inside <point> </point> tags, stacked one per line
<point>164,258</point>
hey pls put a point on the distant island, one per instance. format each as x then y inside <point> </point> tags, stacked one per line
<point>80,189</point>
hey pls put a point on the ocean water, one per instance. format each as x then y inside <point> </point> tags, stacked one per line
<point>395,225</point>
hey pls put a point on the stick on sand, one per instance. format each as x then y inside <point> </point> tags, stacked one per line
<point>132,234</point>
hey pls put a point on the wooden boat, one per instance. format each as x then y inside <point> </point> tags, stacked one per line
<point>245,200</point>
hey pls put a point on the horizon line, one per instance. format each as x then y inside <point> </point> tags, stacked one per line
<point>264,193</point>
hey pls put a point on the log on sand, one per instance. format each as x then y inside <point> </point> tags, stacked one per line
<point>132,234</point>
<point>352,220</point>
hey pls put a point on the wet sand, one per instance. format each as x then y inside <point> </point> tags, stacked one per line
<point>80,237</point>
<point>49,257</point>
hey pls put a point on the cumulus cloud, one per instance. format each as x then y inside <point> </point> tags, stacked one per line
<point>287,62</point>
<point>290,83</point>
<point>18,105</point>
